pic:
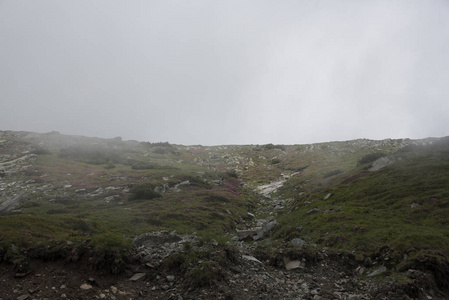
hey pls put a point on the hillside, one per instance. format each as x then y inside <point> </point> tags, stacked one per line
<point>359,219</point>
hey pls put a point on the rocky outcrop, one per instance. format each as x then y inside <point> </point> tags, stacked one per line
<point>382,163</point>
<point>12,203</point>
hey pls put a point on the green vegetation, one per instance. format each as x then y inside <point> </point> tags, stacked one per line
<point>202,267</point>
<point>403,207</point>
<point>100,194</point>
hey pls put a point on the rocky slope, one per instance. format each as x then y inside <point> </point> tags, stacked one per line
<point>89,218</point>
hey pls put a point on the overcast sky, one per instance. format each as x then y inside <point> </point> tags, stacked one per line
<point>226,72</point>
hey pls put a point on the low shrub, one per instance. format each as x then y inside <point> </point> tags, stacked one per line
<point>144,192</point>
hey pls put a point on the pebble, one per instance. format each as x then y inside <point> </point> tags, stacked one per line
<point>85,286</point>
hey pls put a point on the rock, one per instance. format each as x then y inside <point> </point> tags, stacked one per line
<point>251,258</point>
<point>327,196</point>
<point>137,276</point>
<point>114,290</point>
<point>360,270</point>
<point>265,230</point>
<point>13,203</point>
<point>23,297</point>
<point>378,271</point>
<point>305,287</point>
<point>246,234</point>
<point>102,296</point>
<point>270,188</point>
<point>381,163</point>
<point>170,278</point>
<point>414,205</point>
<point>312,211</point>
<point>110,198</point>
<point>67,186</point>
<point>298,242</point>
<point>251,215</point>
<point>85,286</point>
<point>78,191</point>
<point>294,264</point>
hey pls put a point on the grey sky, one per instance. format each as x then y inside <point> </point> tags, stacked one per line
<point>226,72</point>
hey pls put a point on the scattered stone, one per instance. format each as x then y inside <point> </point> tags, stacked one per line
<point>23,297</point>
<point>414,205</point>
<point>251,258</point>
<point>378,271</point>
<point>137,276</point>
<point>298,242</point>
<point>313,211</point>
<point>114,290</point>
<point>327,196</point>
<point>67,186</point>
<point>360,270</point>
<point>265,230</point>
<point>170,278</point>
<point>85,286</point>
<point>294,264</point>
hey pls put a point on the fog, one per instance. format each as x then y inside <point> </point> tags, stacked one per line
<point>226,72</point>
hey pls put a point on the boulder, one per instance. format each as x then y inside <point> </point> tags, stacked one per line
<point>298,242</point>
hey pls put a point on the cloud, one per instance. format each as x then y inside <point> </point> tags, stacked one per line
<point>229,72</point>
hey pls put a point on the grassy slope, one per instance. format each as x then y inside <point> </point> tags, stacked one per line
<point>56,214</point>
<point>367,211</point>
<point>403,207</point>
